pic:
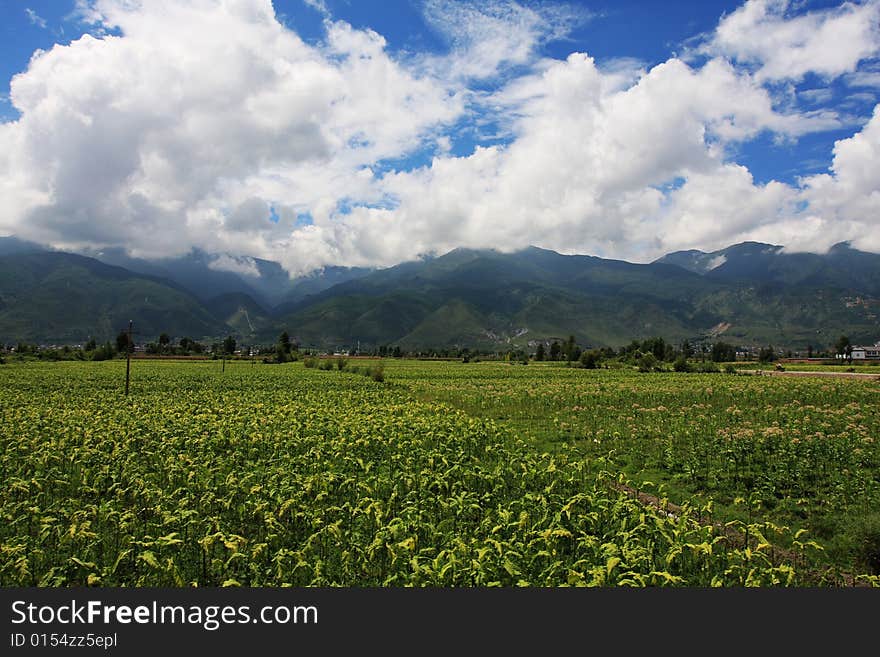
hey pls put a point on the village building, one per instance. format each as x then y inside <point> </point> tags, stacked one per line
<point>866,353</point>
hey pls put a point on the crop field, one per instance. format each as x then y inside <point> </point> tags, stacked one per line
<point>445,474</point>
<point>800,452</point>
<point>860,367</point>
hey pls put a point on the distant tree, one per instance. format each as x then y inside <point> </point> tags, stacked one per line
<point>656,346</point>
<point>681,364</point>
<point>555,350</point>
<point>723,352</point>
<point>122,342</point>
<point>91,345</point>
<point>229,345</point>
<point>809,351</point>
<point>186,344</point>
<point>590,359</point>
<point>767,354</point>
<point>686,349</point>
<point>284,342</point>
<point>647,362</point>
<point>104,352</point>
<point>164,341</point>
<point>708,367</point>
<point>843,346</point>
<point>540,352</point>
<point>397,353</point>
<point>569,347</point>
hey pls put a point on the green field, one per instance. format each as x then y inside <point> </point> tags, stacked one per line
<point>856,366</point>
<point>445,474</point>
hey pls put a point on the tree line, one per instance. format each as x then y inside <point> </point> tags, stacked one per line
<point>648,353</point>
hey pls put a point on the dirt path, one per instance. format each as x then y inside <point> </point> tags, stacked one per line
<point>735,537</point>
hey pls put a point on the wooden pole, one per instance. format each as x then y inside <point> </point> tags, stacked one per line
<point>128,358</point>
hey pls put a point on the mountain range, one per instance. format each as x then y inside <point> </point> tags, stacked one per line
<point>746,294</point>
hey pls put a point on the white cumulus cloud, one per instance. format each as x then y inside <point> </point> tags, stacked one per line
<point>154,139</point>
<point>236,264</point>
<point>844,204</point>
<point>782,44</point>
<point>209,124</point>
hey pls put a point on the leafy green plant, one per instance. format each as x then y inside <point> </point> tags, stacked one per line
<point>447,476</point>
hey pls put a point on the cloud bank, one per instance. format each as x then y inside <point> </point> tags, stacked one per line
<point>209,124</point>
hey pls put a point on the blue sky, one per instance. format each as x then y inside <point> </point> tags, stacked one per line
<point>368,132</point>
<point>647,30</point>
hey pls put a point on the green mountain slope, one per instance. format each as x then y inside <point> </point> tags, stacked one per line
<point>747,294</point>
<point>751,294</point>
<point>66,298</point>
<point>240,312</point>
<point>485,299</point>
<point>842,268</point>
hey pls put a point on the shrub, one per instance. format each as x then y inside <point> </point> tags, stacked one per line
<point>681,365</point>
<point>326,365</point>
<point>590,359</point>
<point>310,362</point>
<point>730,368</point>
<point>377,372</point>
<point>341,363</point>
<point>647,362</point>
<point>766,355</point>
<point>103,353</point>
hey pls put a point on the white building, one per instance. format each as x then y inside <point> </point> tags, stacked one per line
<point>866,353</point>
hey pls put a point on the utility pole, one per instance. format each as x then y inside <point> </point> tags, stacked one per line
<point>128,358</point>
